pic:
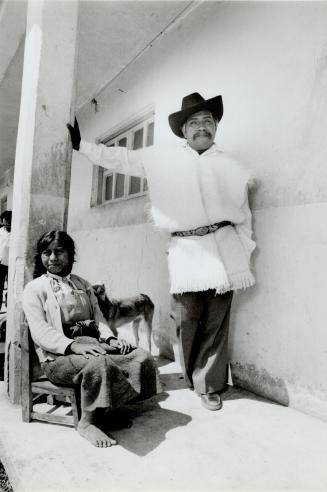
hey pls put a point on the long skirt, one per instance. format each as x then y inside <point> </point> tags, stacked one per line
<point>106,381</point>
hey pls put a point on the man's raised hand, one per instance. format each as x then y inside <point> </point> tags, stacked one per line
<point>74,134</point>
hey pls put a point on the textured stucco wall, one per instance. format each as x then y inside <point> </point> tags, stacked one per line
<point>129,260</point>
<point>269,60</point>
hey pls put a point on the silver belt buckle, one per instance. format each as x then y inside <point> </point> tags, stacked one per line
<point>201,231</point>
<point>213,227</point>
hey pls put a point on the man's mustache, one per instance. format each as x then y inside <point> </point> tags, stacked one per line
<point>202,133</point>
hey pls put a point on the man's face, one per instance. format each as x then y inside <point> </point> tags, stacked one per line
<point>200,130</point>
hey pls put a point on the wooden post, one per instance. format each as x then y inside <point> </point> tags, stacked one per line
<point>43,153</point>
<point>27,403</point>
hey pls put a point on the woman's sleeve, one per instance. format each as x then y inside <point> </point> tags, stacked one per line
<point>43,334</point>
<point>117,159</point>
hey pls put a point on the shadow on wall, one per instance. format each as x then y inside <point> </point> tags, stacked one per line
<point>247,375</point>
<point>164,343</point>
<point>164,332</point>
<point>260,382</point>
<point>254,197</point>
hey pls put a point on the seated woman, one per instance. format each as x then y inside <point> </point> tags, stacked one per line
<point>56,303</point>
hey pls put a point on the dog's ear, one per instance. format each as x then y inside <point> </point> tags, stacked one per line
<point>99,286</point>
<point>100,291</point>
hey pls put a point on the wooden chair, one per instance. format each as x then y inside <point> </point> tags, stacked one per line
<point>35,383</point>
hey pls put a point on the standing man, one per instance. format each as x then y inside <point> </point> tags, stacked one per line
<point>5,227</point>
<point>199,195</point>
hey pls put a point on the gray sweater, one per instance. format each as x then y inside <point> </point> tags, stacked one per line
<point>43,316</point>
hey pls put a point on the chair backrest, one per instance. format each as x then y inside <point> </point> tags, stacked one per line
<point>29,359</point>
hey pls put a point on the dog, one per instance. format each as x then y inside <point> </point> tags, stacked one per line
<point>119,312</point>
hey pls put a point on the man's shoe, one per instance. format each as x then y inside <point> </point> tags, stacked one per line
<point>211,401</point>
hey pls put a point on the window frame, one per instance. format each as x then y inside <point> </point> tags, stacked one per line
<point>112,139</point>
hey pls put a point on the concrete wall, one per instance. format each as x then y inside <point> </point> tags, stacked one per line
<point>269,60</point>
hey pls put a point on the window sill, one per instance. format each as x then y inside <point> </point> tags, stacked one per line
<point>121,200</point>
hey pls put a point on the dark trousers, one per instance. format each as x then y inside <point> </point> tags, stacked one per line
<point>202,323</point>
<point>3,275</point>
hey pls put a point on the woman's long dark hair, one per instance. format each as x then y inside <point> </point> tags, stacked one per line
<point>63,239</point>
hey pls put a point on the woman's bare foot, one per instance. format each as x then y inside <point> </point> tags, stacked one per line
<point>95,435</point>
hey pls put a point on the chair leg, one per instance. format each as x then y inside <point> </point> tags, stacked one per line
<point>75,408</point>
<point>27,404</point>
<point>51,400</point>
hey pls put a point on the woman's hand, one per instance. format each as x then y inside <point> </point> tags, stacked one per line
<point>122,345</point>
<point>86,349</point>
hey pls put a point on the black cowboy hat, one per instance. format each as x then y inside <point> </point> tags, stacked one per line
<point>192,104</point>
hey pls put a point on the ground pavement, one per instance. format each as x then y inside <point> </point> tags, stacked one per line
<point>174,444</point>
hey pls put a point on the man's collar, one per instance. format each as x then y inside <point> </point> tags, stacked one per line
<point>210,150</point>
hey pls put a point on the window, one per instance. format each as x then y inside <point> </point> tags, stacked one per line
<point>112,186</point>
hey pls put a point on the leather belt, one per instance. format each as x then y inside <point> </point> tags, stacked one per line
<point>203,230</point>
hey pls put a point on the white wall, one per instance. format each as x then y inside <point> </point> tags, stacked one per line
<point>269,61</point>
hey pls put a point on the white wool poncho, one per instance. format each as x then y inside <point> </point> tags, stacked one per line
<point>188,190</point>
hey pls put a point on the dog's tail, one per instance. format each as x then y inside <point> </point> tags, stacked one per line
<point>148,300</point>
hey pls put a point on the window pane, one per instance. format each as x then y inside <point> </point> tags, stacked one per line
<point>100,197</point>
<point>145,184</point>
<point>120,182</point>
<point>134,185</point>
<point>149,137</point>
<point>138,139</point>
<point>122,142</point>
<point>108,187</point>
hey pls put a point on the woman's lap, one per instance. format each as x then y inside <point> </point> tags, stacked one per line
<point>120,377</point>
<point>64,368</point>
